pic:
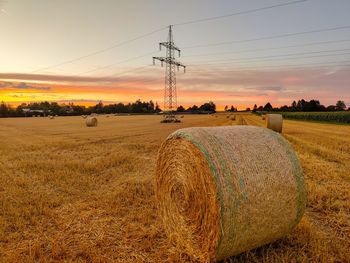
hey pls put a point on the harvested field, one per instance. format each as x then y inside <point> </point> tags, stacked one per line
<point>71,193</point>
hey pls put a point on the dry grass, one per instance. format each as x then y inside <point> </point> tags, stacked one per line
<point>70,193</point>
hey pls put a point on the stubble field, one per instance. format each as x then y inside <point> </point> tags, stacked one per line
<point>77,194</point>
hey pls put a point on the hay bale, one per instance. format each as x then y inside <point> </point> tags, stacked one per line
<point>263,117</point>
<point>225,190</point>
<point>91,121</point>
<point>233,118</point>
<point>274,122</point>
<point>51,117</point>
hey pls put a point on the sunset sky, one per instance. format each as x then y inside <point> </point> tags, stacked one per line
<point>248,51</point>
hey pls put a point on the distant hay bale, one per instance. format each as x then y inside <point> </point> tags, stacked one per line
<point>91,121</point>
<point>51,117</point>
<point>225,190</point>
<point>274,122</point>
<point>233,118</point>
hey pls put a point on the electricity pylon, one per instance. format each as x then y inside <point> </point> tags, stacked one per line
<point>170,96</point>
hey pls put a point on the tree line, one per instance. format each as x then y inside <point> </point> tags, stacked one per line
<point>300,105</point>
<point>148,107</point>
<point>46,108</point>
<point>208,107</point>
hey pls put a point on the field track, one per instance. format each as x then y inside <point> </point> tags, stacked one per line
<point>73,193</point>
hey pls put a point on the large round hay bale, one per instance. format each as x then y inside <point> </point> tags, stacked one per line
<point>225,190</point>
<point>274,122</point>
<point>51,117</point>
<point>91,121</point>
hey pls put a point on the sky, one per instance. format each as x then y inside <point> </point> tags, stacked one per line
<point>238,52</point>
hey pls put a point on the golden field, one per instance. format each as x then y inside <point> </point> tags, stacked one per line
<point>76,194</point>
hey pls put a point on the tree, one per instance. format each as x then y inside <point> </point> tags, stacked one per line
<point>247,109</point>
<point>157,109</point>
<point>255,108</point>
<point>232,109</point>
<point>226,108</point>
<point>208,106</point>
<point>180,109</point>
<point>268,106</point>
<point>4,110</point>
<point>340,105</point>
<point>193,108</point>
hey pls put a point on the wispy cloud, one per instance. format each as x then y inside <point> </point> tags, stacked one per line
<point>21,86</point>
<point>3,11</point>
<point>71,79</point>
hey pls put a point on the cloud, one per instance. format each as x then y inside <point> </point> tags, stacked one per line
<point>21,86</point>
<point>4,11</point>
<point>71,79</point>
<point>271,88</point>
<point>24,85</point>
<point>5,84</point>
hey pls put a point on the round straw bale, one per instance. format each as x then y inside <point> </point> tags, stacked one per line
<point>51,117</point>
<point>274,122</point>
<point>225,190</point>
<point>91,121</point>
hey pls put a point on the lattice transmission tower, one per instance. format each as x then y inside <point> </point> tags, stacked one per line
<point>170,95</point>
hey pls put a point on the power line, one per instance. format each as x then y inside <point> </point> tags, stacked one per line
<point>238,13</point>
<point>160,29</point>
<point>117,63</point>
<point>270,48</point>
<point>112,77</point>
<point>100,51</point>
<point>284,55</point>
<point>322,64</point>
<point>303,57</point>
<point>270,37</point>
